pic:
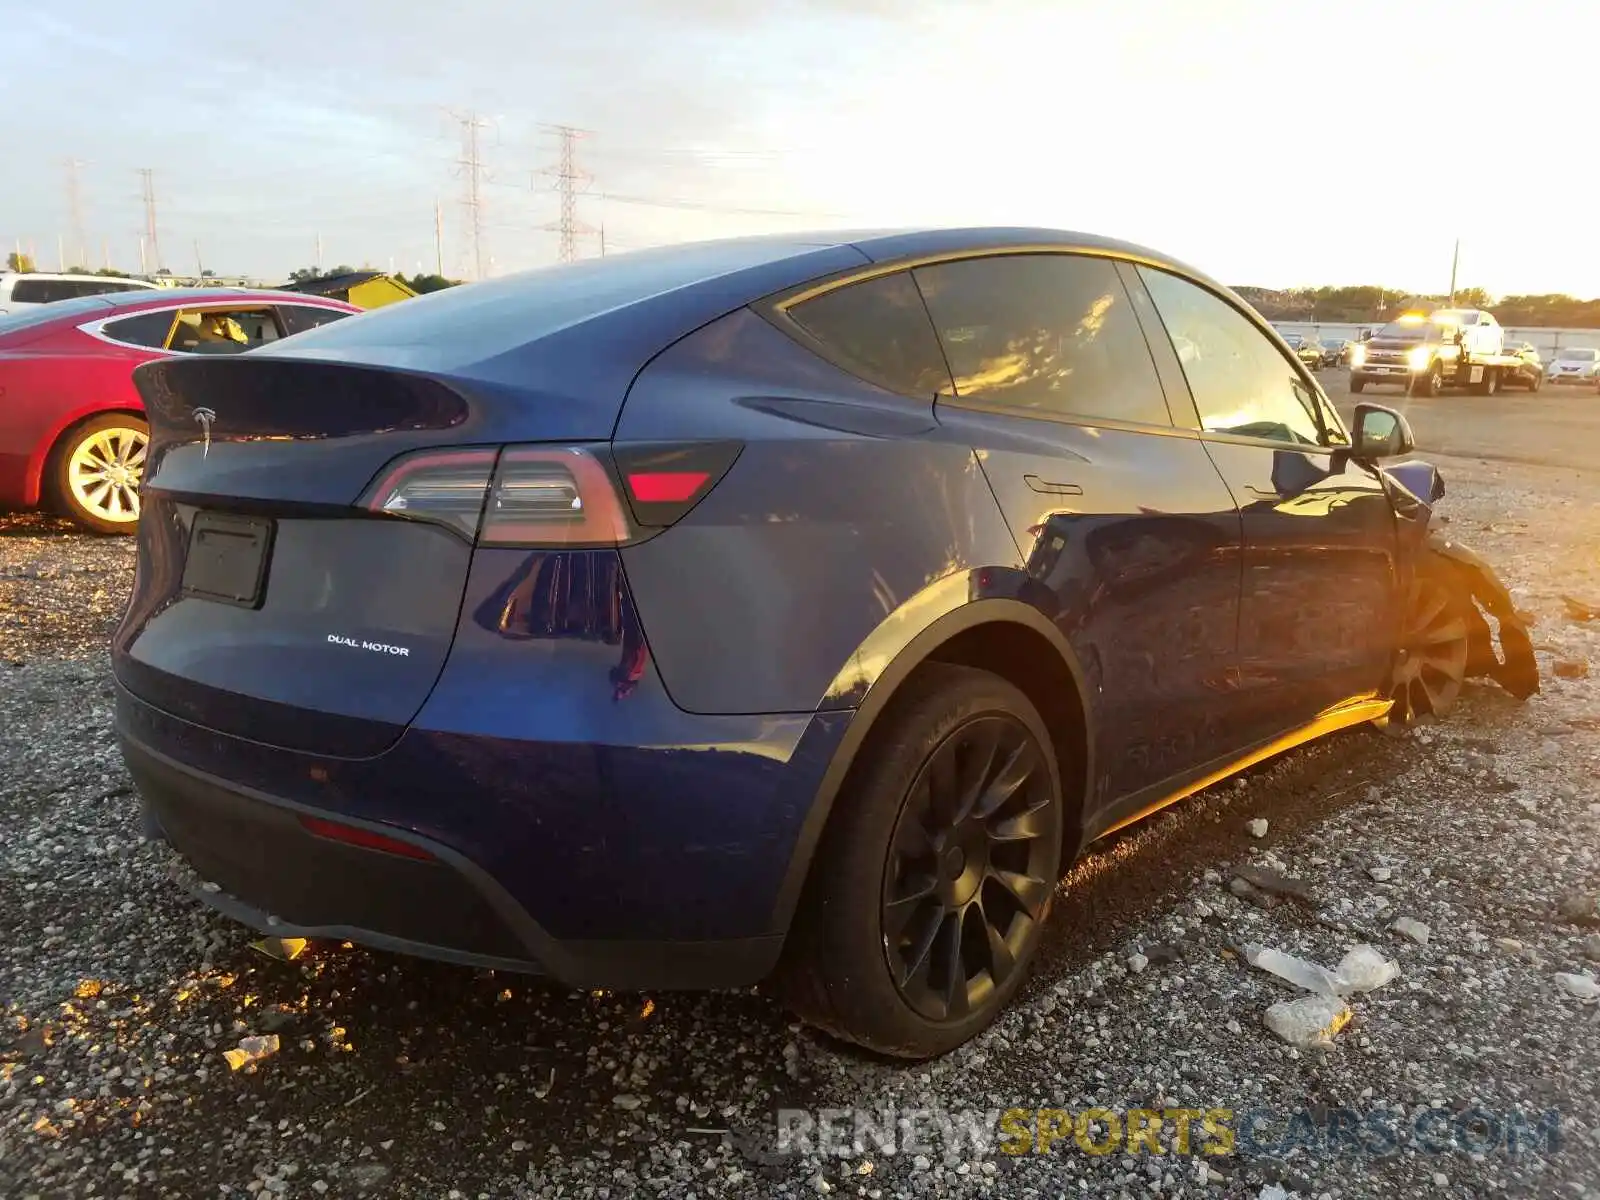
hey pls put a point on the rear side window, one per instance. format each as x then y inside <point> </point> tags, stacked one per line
<point>1047,334</point>
<point>878,329</point>
<point>1241,383</point>
<point>223,331</point>
<point>43,291</point>
<point>147,329</point>
<point>297,318</point>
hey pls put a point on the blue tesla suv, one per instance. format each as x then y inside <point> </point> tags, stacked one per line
<point>785,608</point>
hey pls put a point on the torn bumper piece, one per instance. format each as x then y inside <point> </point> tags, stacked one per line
<point>1512,664</point>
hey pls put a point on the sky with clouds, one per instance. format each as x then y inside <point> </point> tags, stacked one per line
<point>1281,144</point>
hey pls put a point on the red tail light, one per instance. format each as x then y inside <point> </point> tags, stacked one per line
<point>367,839</point>
<point>556,496</point>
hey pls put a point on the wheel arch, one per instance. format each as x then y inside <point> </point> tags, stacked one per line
<point>1008,637</point>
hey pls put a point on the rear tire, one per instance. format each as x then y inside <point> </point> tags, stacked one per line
<point>1536,383</point>
<point>925,904</point>
<point>1432,383</point>
<point>93,474</point>
<point>1489,385</point>
<point>1357,385</point>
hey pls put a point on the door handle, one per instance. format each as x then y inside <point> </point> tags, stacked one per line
<point>1049,488</point>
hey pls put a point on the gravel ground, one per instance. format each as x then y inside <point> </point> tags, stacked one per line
<point>402,1078</point>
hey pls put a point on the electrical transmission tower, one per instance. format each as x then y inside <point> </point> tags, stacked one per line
<point>80,241</point>
<point>470,166</point>
<point>148,178</point>
<point>570,182</point>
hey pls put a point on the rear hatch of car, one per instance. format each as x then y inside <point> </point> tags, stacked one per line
<point>284,591</point>
<point>311,512</point>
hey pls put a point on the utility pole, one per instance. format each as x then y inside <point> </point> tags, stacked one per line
<point>144,267</point>
<point>318,263</point>
<point>602,239</point>
<point>438,239</point>
<point>148,177</point>
<point>1455,261</point>
<point>105,253</point>
<point>75,213</point>
<point>199,267</point>
<point>472,177</point>
<point>570,181</point>
<point>61,253</point>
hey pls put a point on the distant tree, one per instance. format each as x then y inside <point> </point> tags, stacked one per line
<point>1472,298</point>
<point>423,284</point>
<point>310,274</point>
<point>164,271</point>
<point>19,262</point>
<point>78,271</point>
<point>208,273</point>
<point>114,273</point>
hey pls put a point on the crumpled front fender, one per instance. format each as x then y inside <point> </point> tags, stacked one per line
<point>1513,666</point>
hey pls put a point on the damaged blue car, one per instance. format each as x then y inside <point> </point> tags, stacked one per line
<point>788,609</point>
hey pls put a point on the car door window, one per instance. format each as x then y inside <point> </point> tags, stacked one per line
<point>1242,384</point>
<point>1045,334</point>
<point>297,318</point>
<point>148,329</point>
<point>223,331</point>
<point>878,329</point>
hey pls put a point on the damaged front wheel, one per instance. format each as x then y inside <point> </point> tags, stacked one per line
<point>1431,663</point>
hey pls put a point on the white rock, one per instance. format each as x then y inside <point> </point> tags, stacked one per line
<point>1272,1191</point>
<point>1309,1021</point>
<point>1381,874</point>
<point>1257,828</point>
<point>626,1101</point>
<point>1583,987</point>
<point>1137,963</point>
<point>1415,930</point>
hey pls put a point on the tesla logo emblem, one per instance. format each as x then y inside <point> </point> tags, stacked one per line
<point>204,417</point>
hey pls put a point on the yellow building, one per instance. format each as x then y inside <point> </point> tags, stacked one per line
<point>364,289</point>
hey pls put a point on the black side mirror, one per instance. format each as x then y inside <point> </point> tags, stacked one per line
<point>1380,433</point>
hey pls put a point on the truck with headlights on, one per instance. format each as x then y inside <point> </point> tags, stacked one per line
<point>1428,352</point>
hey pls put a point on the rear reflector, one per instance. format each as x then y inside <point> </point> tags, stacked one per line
<point>353,835</point>
<point>656,487</point>
<point>665,481</point>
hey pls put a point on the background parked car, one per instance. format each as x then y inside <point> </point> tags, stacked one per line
<point>1336,351</point>
<point>1309,351</point>
<point>1575,364</point>
<point>21,291</point>
<point>72,428</point>
<point>1529,373</point>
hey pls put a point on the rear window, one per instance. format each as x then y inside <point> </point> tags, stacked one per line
<point>879,330</point>
<point>148,329</point>
<point>29,317</point>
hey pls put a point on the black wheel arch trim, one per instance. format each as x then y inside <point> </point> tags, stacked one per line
<point>918,650</point>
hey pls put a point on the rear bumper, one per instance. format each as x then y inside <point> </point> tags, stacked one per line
<point>597,866</point>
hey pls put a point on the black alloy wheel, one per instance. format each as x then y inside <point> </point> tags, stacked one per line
<point>925,902</point>
<point>1432,660</point>
<point>971,863</point>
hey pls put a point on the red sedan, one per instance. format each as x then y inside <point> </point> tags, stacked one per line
<point>72,430</point>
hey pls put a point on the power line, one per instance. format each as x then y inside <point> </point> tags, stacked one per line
<point>569,182</point>
<point>471,169</point>
<point>147,177</point>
